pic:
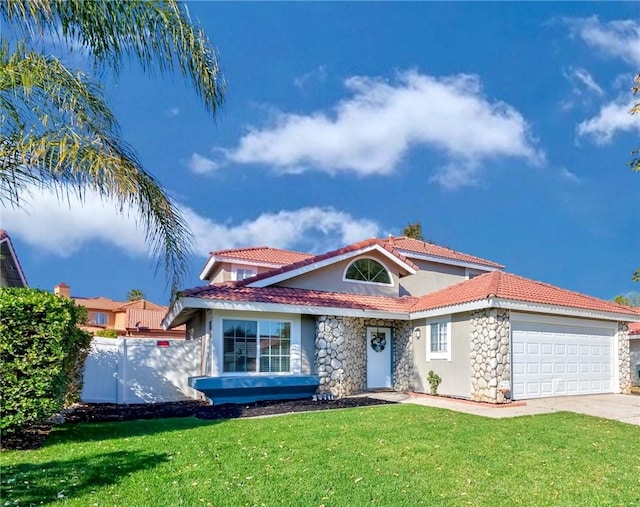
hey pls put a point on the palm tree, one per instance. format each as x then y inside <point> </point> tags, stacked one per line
<point>57,130</point>
<point>135,295</point>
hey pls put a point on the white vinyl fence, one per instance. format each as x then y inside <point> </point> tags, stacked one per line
<point>140,370</point>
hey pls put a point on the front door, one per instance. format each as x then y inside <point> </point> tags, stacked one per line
<point>378,357</point>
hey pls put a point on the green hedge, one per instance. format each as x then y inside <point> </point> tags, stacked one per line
<point>107,333</point>
<point>42,355</point>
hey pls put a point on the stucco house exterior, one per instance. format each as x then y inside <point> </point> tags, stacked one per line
<point>382,313</point>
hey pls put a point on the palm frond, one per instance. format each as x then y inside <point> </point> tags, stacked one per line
<point>59,133</point>
<point>158,34</point>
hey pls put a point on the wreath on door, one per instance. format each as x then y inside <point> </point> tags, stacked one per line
<point>378,342</point>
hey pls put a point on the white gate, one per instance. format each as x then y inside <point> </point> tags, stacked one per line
<point>140,370</point>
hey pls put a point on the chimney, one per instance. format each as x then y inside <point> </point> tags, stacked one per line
<point>62,289</point>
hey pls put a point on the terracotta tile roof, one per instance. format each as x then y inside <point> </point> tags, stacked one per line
<point>508,286</point>
<point>151,319</point>
<point>634,328</point>
<point>328,255</point>
<point>305,297</point>
<point>424,248</point>
<point>99,303</point>
<point>263,254</point>
<point>142,304</point>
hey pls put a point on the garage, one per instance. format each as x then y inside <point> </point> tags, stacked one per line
<point>561,357</point>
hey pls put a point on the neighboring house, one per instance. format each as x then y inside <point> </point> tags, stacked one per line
<point>383,313</point>
<point>11,274</point>
<point>139,319</point>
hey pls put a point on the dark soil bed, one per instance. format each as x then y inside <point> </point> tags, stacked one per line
<point>104,412</point>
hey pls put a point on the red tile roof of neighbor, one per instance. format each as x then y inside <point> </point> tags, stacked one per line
<point>263,254</point>
<point>303,297</point>
<point>98,303</point>
<point>634,328</point>
<point>424,248</point>
<point>151,319</point>
<point>328,255</point>
<point>512,287</point>
<point>497,284</point>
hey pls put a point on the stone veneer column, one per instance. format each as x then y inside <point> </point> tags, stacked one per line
<point>624,358</point>
<point>490,354</point>
<point>341,354</point>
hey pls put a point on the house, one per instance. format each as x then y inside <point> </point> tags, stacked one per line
<point>383,313</point>
<point>138,319</point>
<point>11,274</point>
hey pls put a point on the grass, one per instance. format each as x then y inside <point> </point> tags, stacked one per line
<point>389,455</point>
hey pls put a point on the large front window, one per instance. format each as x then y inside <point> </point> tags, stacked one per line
<point>256,346</point>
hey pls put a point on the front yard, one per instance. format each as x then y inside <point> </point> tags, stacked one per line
<point>387,455</point>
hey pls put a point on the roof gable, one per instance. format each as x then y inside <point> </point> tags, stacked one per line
<point>256,256</point>
<point>319,261</point>
<point>12,272</point>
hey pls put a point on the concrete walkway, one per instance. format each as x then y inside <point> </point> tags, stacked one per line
<point>620,407</point>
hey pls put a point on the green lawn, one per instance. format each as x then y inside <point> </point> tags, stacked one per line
<point>386,455</point>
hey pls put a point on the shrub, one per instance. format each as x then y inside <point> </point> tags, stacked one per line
<point>106,333</point>
<point>434,381</point>
<point>42,356</point>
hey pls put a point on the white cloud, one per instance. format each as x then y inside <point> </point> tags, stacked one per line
<point>172,111</point>
<point>620,38</point>
<point>569,176</point>
<point>613,117</point>
<point>587,81</point>
<point>317,74</point>
<point>370,132</point>
<point>63,227</point>
<point>200,164</point>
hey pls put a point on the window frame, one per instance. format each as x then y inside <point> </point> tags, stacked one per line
<point>294,343</point>
<point>439,355</point>
<point>235,268</point>
<point>95,319</point>
<point>382,284</point>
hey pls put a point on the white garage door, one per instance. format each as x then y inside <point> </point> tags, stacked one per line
<point>560,360</point>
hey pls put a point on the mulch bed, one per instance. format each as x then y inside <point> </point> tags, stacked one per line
<point>108,412</point>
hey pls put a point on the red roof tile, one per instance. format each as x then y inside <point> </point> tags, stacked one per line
<point>634,328</point>
<point>263,254</point>
<point>142,304</point>
<point>319,258</point>
<point>424,248</point>
<point>99,303</point>
<point>512,287</point>
<point>151,319</point>
<point>304,297</point>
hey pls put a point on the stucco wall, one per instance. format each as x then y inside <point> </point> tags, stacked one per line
<point>223,272</point>
<point>330,278</point>
<point>456,380</point>
<point>430,278</point>
<point>308,345</point>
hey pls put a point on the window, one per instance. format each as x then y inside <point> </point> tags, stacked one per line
<point>242,353</point>
<point>367,270</point>
<point>100,318</point>
<point>439,340</point>
<point>242,273</point>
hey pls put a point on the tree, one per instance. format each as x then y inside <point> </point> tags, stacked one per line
<point>413,230</point>
<point>135,295</point>
<point>57,130</point>
<point>622,300</point>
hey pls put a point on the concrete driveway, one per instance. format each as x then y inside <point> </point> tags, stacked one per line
<point>620,407</point>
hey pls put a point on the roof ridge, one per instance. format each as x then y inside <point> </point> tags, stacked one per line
<point>253,248</point>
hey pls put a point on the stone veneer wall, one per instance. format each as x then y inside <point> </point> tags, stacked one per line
<point>624,358</point>
<point>341,353</point>
<point>490,354</point>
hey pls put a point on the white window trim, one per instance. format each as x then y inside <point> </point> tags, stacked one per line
<point>379,284</point>
<point>295,358</point>
<point>436,356</point>
<point>95,318</point>
<point>236,267</point>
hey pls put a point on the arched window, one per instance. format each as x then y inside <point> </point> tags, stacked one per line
<point>367,270</point>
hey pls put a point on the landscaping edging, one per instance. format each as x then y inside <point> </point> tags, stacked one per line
<point>504,404</point>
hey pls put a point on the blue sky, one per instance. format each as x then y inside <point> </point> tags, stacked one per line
<point>501,127</point>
